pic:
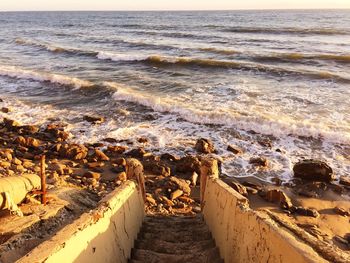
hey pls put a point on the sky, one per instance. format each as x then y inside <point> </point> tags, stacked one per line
<point>30,5</point>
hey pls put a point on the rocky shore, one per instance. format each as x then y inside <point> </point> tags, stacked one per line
<point>78,175</point>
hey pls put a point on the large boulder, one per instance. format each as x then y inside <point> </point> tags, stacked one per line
<point>313,170</point>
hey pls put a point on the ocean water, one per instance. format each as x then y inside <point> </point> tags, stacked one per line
<point>238,77</point>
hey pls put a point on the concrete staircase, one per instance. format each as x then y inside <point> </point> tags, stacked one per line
<point>175,239</point>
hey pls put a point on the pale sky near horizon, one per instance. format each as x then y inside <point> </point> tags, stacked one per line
<point>30,5</point>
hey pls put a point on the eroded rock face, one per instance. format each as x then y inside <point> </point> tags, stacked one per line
<point>313,170</point>
<point>204,146</point>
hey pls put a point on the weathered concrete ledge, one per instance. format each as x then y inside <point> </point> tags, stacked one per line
<point>244,235</point>
<point>106,234</point>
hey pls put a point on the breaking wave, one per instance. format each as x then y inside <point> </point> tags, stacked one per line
<point>255,122</point>
<point>19,73</point>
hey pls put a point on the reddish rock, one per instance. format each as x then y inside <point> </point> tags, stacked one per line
<point>313,170</point>
<point>99,155</point>
<point>234,149</point>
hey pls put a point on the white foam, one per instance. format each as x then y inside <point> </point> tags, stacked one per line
<point>280,127</point>
<point>20,73</point>
<point>106,55</point>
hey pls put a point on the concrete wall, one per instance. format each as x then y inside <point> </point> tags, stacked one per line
<point>244,235</point>
<point>106,234</point>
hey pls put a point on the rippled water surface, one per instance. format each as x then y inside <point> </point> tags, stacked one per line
<point>235,77</point>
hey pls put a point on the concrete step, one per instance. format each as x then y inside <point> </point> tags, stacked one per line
<point>207,256</point>
<point>166,239</point>
<point>174,248</point>
<point>168,227</point>
<point>176,237</point>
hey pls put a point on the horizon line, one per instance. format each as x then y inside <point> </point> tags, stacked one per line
<point>178,10</point>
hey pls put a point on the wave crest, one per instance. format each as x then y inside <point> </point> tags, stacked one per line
<point>15,72</point>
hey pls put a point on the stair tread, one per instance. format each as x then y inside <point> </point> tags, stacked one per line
<point>207,256</point>
<point>175,239</point>
<point>174,248</point>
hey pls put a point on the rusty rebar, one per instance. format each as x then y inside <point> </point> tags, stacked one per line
<point>43,180</point>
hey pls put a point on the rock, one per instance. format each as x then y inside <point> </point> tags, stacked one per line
<point>29,129</point>
<point>27,164</point>
<point>169,157</point>
<point>120,162</point>
<point>277,196</point>
<point>259,161</point>
<point>159,169</point>
<point>305,211</point>
<point>234,149</point>
<point>33,143</point>
<point>58,168</point>
<point>10,124</point>
<point>204,146</point>
<point>142,140</point>
<point>136,153</point>
<point>110,140</point>
<point>341,211</point>
<point>313,170</point>
<point>341,240</point>
<point>121,177</point>
<point>101,155</point>
<point>73,151</point>
<point>177,193</point>
<point>181,184</point>
<point>91,181</point>
<point>188,164</point>
<point>150,199</point>
<point>94,175</point>
<point>94,119</point>
<point>312,189</point>
<point>5,110</point>
<point>186,199</point>
<point>239,188</point>
<point>265,142</point>
<point>16,161</point>
<point>94,165</point>
<point>117,149</point>
<point>5,164</point>
<point>21,140</point>
<point>344,180</point>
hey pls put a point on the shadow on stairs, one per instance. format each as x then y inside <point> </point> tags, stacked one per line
<point>175,239</point>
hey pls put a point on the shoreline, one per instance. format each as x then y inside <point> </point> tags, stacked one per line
<point>90,171</point>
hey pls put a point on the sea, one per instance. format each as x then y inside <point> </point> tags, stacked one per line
<point>274,83</point>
